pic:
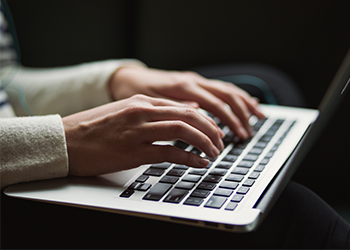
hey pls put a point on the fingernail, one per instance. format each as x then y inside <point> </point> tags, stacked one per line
<point>215,151</point>
<point>221,145</point>
<point>221,133</point>
<point>243,133</point>
<point>251,131</point>
<point>203,162</point>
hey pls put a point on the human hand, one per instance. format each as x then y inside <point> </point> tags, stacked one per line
<point>119,135</point>
<point>211,95</point>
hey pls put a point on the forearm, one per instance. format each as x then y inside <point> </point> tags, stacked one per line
<point>64,90</point>
<point>32,148</point>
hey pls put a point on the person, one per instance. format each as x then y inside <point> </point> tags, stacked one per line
<point>106,117</point>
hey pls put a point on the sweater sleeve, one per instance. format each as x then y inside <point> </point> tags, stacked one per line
<point>64,90</point>
<point>32,148</point>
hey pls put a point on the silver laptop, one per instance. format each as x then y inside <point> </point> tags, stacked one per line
<point>234,193</point>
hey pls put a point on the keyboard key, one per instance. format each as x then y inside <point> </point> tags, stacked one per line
<point>220,172</point>
<point>194,201</point>
<point>206,186</point>
<point>250,157</point>
<point>265,161</point>
<point>242,144</point>
<point>134,185</point>
<point>234,177</point>
<point>230,158</point>
<point>212,178</point>
<point>142,178</point>
<point>196,151</point>
<point>261,145</point>
<point>176,195</point>
<point>239,170</point>
<point>154,172</point>
<point>176,172</point>
<point>237,198</point>
<point>127,193</point>
<point>256,151</point>
<point>215,202</point>
<point>229,137</point>
<point>269,154</point>
<point>224,164</point>
<point>223,192</point>
<point>231,206</point>
<point>198,171</point>
<point>254,175</point>
<point>163,165</point>
<point>210,159</point>
<point>169,179</point>
<point>259,168</point>
<point>181,145</point>
<point>279,142</point>
<point>157,191</point>
<point>209,165</point>
<point>245,164</point>
<point>279,121</point>
<point>229,184</point>
<point>236,151</point>
<point>200,193</point>
<point>274,127</point>
<point>185,185</point>
<point>191,178</point>
<point>144,187</point>
<point>258,124</point>
<point>243,190</point>
<point>270,133</point>
<point>177,166</point>
<point>265,138</point>
<point>248,183</point>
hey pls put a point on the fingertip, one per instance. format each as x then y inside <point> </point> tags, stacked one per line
<point>203,162</point>
<point>243,133</point>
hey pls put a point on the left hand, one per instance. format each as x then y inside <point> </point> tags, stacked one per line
<point>193,89</point>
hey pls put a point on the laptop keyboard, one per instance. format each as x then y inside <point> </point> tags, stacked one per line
<point>222,184</point>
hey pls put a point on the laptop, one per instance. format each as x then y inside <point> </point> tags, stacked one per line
<point>233,193</point>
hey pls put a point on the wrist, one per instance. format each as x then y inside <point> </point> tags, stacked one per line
<point>120,76</point>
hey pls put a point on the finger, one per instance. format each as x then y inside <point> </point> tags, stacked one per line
<point>253,105</point>
<point>167,153</point>
<point>251,102</point>
<point>178,130</point>
<point>165,101</point>
<point>160,102</point>
<point>213,104</point>
<point>234,100</point>
<point>192,117</point>
<point>157,101</point>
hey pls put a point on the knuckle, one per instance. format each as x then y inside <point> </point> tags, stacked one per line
<point>136,111</point>
<point>139,97</point>
<point>181,82</point>
<point>190,113</point>
<point>178,127</point>
<point>217,102</point>
<point>191,73</point>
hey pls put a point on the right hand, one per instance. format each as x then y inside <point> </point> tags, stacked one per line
<point>120,135</point>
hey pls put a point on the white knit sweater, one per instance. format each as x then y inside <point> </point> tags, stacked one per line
<point>34,147</point>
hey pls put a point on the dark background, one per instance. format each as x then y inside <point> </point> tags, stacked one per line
<point>305,39</point>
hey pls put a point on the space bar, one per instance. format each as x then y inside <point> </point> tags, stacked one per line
<point>157,191</point>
